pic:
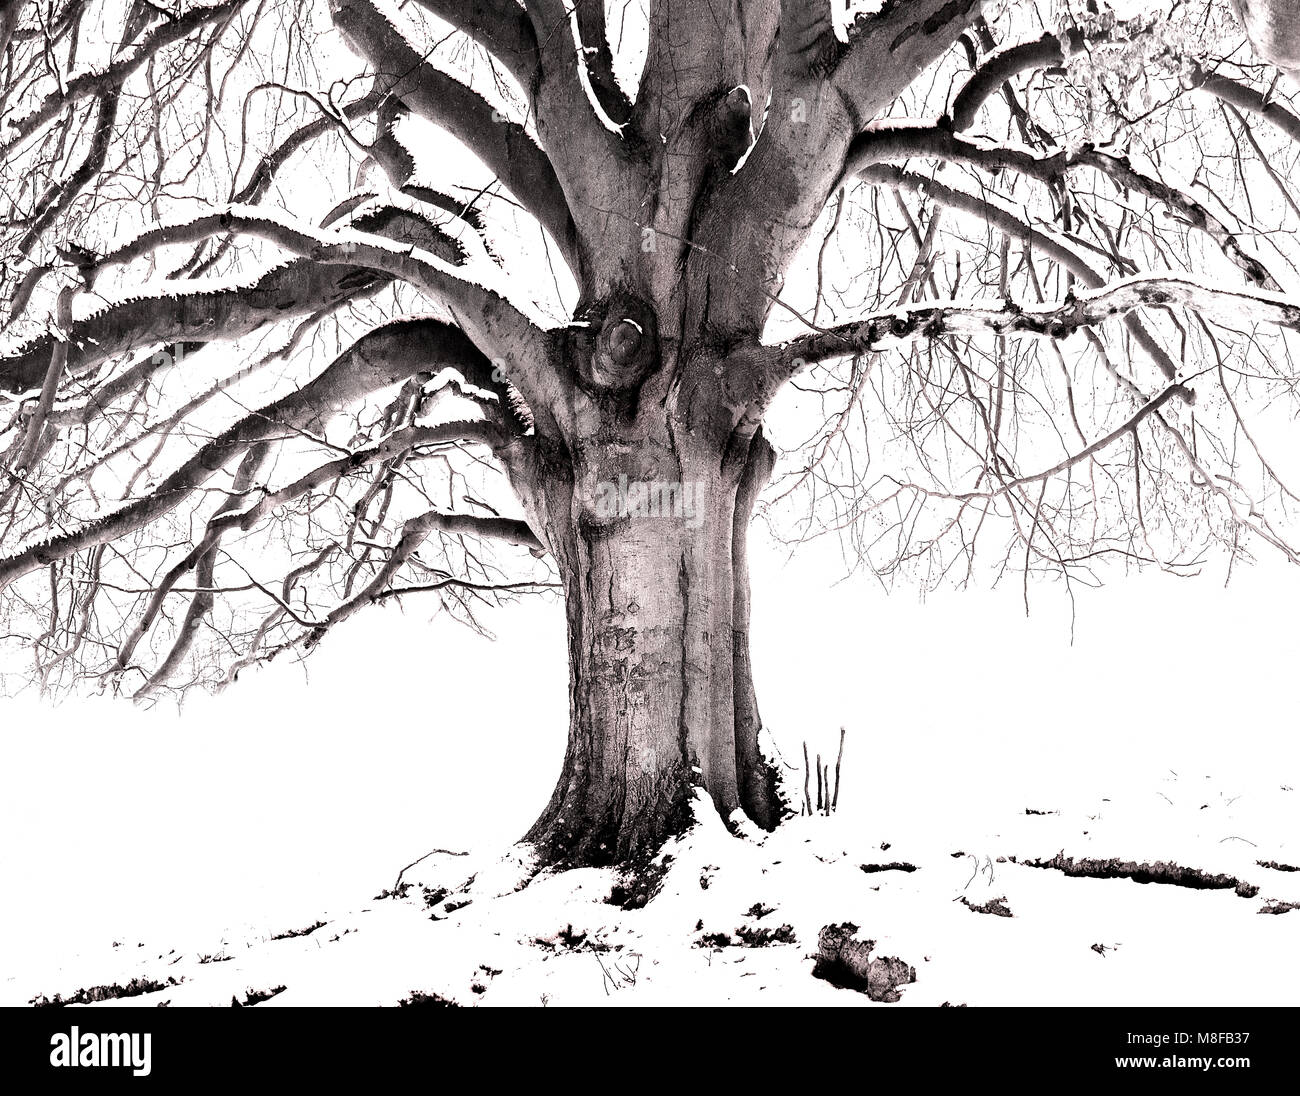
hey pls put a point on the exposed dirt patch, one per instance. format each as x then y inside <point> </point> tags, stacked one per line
<point>1276,866</point>
<point>90,994</point>
<point>639,884</point>
<point>1160,871</point>
<point>306,930</point>
<point>568,939</point>
<point>893,865</point>
<point>482,976</point>
<point>257,996</point>
<point>996,906</point>
<point>756,936</point>
<point>1272,905</point>
<point>759,936</point>
<point>846,962</point>
<point>419,999</point>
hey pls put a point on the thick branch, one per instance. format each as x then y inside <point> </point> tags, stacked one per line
<point>901,141</point>
<point>1248,99</point>
<point>498,328</point>
<point>64,193</point>
<point>504,147</point>
<point>189,314</point>
<point>1056,320</point>
<point>97,83</point>
<point>9,12</point>
<point>1272,29</point>
<point>762,214</point>
<point>898,42</point>
<point>386,356</point>
<point>1001,65</point>
<point>499,26</point>
<point>600,60</point>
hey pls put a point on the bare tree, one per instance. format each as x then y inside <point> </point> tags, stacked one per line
<point>312,306</point>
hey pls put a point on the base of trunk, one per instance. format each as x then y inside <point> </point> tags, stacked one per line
<point>649,539</point>
<point>582,828</point>
<point>593,827</point>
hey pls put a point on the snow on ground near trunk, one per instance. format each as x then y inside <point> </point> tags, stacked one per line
<point>496,938</point>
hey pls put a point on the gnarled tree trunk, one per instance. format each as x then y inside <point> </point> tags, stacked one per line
<point>647,456</point>
<point>646,508</point>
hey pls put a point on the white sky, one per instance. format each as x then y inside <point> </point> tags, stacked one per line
<point>284,798</point>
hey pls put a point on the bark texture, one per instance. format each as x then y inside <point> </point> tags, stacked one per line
<point>647,522</point>
<point>648,456</point>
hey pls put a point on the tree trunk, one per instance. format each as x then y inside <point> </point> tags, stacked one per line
<point>649,539</point>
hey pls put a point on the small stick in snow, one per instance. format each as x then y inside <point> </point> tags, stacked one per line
<point>807,802</point>
<point>835,799</point>
<point>431,852</point>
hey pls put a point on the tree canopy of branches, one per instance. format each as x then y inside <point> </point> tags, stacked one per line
<point>311,305</point>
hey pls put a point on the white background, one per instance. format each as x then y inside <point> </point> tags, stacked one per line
<point>293,795</point>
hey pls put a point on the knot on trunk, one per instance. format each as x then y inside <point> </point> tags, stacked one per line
<point>619,348</point>
<point>623,342</point>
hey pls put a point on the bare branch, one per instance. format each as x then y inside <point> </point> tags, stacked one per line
<point>504,146</point>
<point>1054,320</point>
<point>386,356</point>
<point>998,215</point>
<point>901,141</point>
<point>79,87</point>
<point>500,26</point>
<point>414,533</point>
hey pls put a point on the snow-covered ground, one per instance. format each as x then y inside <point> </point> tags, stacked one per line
<point>147,845</point>
<point>474,931</point>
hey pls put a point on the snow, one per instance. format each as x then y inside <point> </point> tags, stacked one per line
<point>499,934</point>
<point>1164,733</point>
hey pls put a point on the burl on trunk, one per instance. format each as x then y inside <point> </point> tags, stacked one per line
<point>644,502</point>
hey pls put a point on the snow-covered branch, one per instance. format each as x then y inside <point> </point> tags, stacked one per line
<point>1056,320</point>
<point>905,140</point>
<point>495,325</point>
<point>99,82</point>
<point>385,357</point>
<point>998,214</point>
<point>505,147</point>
